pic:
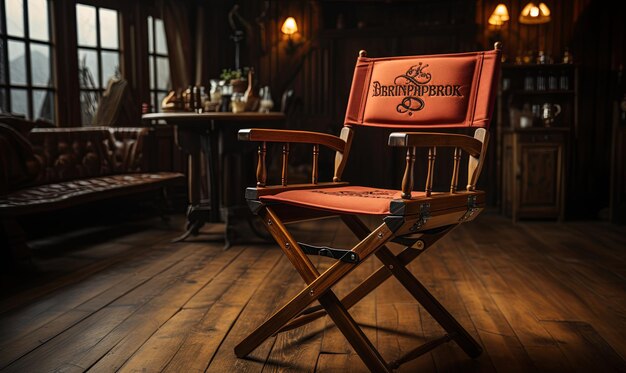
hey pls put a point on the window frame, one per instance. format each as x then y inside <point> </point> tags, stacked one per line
<point>27,41</point>
<point>153,71</point>
<point>98,49</point>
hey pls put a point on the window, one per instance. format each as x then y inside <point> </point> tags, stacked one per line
<point>159,67</point>
<point>98,54</point>
<point>26,82</point>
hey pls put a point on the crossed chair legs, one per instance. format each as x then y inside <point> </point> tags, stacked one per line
<point>295,313</point>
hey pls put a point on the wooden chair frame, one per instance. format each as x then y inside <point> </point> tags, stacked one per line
<point>417,223</point>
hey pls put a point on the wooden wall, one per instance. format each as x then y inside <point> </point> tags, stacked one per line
<point>594,32</point>
<point>332,33</point>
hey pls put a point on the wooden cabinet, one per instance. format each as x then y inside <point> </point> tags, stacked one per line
<point>537,114</point>
<point>534,173</point>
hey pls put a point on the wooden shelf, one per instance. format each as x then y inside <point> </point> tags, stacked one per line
<point>535,66</point>
<point>541,93</point>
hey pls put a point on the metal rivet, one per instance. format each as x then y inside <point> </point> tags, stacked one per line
<point>269,222</point>
<point>311,292</point>
<point>287,244</point>
<point>419,245</point>
<point>380,235</point>
<point>352,256</point>
<point>390,266</point>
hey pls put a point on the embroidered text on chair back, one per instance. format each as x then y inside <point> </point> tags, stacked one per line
<point>451,90</point>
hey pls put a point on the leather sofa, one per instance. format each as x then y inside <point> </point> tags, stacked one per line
<point>47,169</point>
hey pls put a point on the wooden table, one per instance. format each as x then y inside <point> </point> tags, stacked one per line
<point>214,134</point>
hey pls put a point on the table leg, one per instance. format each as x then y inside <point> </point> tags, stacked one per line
<point>209,147</point>
<point>197,213</point>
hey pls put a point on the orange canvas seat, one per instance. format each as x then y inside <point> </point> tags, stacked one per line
<point>347,200</point>
<point>436,91</point>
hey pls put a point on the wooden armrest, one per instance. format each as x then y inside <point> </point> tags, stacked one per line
<point>429,139</point>
<point>475,146</point>
<point>286,136</point>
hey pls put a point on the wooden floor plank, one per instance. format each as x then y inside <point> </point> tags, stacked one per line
<point>539,296</point>
<point>41,322</point>
<point>334,344</point>
<point>498,338</point>
<point>299,348</point>
<point>220,300</point>
<point>91,338</point>
<point>67,270</point>
<point>538,343</point>
<point>449,357</point>
<point>114,350</point>
<point>584,348</point>
<point>268,297</point>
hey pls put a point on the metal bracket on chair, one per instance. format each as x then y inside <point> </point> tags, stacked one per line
<point>340,254</point>
<point>471,208</point>
<point>424,216</point>
<point>255,205</point>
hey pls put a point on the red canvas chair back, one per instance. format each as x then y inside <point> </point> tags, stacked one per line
<point>436,91</point>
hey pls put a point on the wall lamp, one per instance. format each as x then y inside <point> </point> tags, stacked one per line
<point>290,28</point>
<point>499,16</point>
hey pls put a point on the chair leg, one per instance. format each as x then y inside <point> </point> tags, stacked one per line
<point>430,303</point>
<point>355,336</point>
<point>419,292</point>
<point>319,288</point>
<point>366,287</point>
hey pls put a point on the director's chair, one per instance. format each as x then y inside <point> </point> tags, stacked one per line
<point>435,91</point>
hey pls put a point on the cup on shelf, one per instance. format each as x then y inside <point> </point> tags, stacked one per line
<point>564,82</point>
<point>529,83</point>
<point>541,82</point>
<point>553,83</point>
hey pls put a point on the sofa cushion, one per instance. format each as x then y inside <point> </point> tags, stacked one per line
<point>63,194</point>
<point>18,166</point>
<point>71,153</point>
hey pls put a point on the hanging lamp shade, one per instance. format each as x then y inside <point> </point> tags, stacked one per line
<point>535,14</point>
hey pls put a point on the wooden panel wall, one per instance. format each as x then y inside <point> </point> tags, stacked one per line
<point>553,37</point>
<point>320,70</point>
<point>595,33</point>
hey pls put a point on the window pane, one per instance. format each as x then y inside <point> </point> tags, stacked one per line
<point>38,19</point>
<point>110,66</point>
<point>43,104</point>
<point>3,67</point>
<point>153,106</point>
<point>17,62</point>
<point>159,30</point>
<point>87,68</point>
<point>108,29</point>
<point>163,73</point>
<point>150,40</point>
<point>88,105</point>
<point>151,71</point>
<point>40,64</point>
<point>160,97</point>
<point>19,103</point>
<point>86,25</point>
<point>15,17</point>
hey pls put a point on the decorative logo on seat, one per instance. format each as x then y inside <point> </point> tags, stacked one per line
<point>414,85</point>
<point>385,194</point>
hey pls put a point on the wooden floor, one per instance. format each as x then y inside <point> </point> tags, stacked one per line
<point>538,296</point>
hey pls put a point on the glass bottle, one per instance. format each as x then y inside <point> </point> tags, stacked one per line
<point>266,100</point>
<point>215,91</point>
<point>250,97</point>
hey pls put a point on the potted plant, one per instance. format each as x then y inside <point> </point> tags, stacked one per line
<point>236,79</point>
